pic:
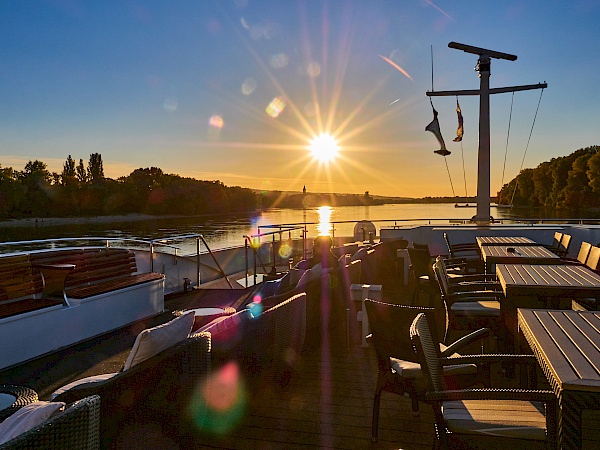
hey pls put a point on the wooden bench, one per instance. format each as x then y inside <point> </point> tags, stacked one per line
<point>97,271</point>
<point>17,288</point>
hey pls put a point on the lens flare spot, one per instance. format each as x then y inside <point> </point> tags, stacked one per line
<point>216,122</point>
<point>276,107</point>
<point>170,104</point>
<point>255,308</point>
<point>313,69</point>
<point>311,109</point>
<point>285,250</point>
<point>249,86</point>
<point>219,403</point>
<point>279,61</point>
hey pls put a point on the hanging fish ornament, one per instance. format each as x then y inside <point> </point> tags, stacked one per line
<point>459,131</point>
<point>434,127</point>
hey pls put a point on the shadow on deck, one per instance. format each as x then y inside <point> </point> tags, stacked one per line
<point>327,402</point>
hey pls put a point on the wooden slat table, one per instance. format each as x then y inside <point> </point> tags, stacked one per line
<point>529,286</point>
<point>504,240</point>
<point>525,254</point>
<point>567,347</point>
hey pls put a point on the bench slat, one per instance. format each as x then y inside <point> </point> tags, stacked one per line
<point>111,285</point>
<point>97,271</point>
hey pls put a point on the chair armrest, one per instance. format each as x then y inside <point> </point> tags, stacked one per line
<point>488,359</point>
<point>473,296</point>
<point>475,288</point>
<point>475,336</point>
<point>474,277</point>
<point>493,394</point>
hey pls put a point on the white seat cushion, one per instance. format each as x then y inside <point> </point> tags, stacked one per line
<point>508,418</point>
<point>152,341</point>
<point>92,379</point>
<point>26,418</point>
<point>406,369</point>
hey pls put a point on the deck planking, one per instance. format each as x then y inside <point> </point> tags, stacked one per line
<point>328,404</point>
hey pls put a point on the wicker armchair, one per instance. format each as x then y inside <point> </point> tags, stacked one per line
<point>504,415</point>
<point>469,252</point>
<point>398,369</point>
<point>470,307</point>
<point>75,428</point>
<point>157,389</point>
<point>23,396</point>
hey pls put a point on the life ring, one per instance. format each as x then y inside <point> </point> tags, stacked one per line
<point>364,230</point>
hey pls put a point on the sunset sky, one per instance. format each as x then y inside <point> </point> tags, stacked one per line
<point>235,90</point>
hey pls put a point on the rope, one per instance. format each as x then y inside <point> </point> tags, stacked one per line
<point>464,173</point>
<point>462,153</point>
<point>507,136</point>
<point>527,146</point>
<point>449,177</point>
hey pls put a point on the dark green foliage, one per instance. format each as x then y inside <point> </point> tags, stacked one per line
<point>81,191</point>
<point>569,182</point>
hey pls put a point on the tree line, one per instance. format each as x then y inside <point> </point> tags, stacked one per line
<point>83,190</point>
<point>569,182</point>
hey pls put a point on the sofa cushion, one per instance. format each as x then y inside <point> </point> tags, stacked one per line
<point>26,418</point>
<point>152,341</point>
<point>92,379</point>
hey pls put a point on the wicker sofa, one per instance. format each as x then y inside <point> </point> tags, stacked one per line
<point>155,391</point>
<point>75,428</point>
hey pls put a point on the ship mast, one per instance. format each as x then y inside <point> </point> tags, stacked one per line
<point>483,160</point>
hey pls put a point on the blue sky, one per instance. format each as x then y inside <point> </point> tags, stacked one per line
<point>185,86</point>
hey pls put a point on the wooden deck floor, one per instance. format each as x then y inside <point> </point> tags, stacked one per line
<point>327,404</point>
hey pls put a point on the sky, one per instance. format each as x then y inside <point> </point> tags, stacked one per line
<point>235,90</point>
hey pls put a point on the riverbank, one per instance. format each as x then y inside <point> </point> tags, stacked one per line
<point>57,221</point>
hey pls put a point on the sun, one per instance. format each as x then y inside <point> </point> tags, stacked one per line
<point>324,147</point>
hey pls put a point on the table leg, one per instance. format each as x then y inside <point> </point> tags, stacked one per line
<point>508,317</point>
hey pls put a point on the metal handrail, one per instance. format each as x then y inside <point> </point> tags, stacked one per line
<point>248,242</point>
<point>215,260</point>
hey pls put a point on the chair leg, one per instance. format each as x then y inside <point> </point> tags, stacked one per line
<point>375,421</point>
<point>414,398</point>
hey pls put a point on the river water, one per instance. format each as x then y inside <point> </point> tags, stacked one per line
<point>228,231</point>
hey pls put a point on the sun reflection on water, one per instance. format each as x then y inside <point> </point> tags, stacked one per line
<point>324,226</point>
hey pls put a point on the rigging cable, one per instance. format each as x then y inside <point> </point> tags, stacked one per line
<point>431,102</point>
<point>462,152</point>
<point>527,146</point>
<point>508,136</point>
<point>449,177</point>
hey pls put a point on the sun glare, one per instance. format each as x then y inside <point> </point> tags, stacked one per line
<point>324,148</point>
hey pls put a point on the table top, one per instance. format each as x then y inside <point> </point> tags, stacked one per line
<point>568,342</point>
<point>504,240</point>
<point>530,254</point>
<point>548,280</point>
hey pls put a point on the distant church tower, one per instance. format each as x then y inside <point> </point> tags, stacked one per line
<point>304,190</point>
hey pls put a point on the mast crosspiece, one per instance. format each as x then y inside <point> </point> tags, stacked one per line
<point>483,160</point>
